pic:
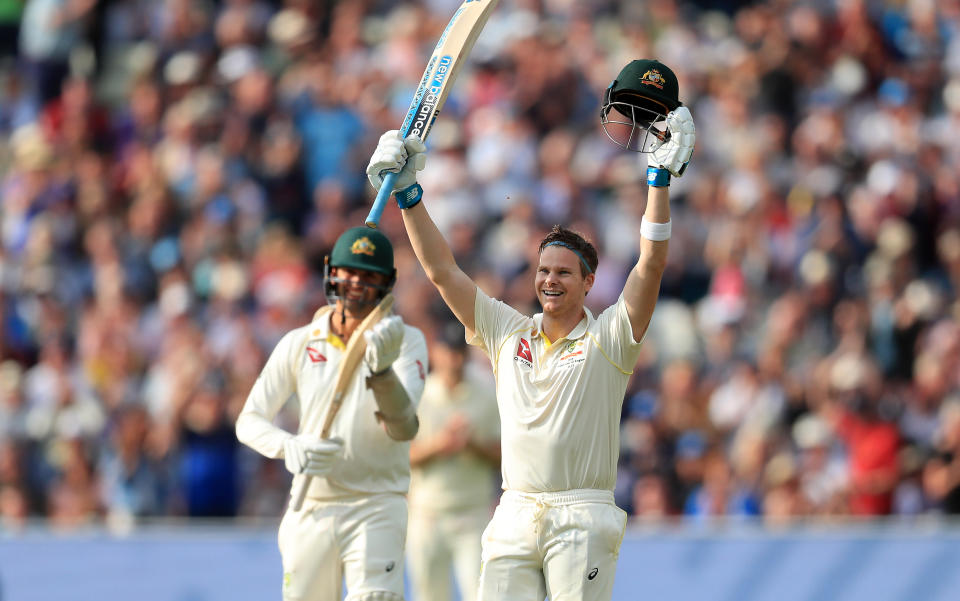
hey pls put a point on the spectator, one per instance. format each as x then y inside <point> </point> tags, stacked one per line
<point>651,499</point>
<point>73,499</point>
<point>857,413</point>
<point>822,473</point>
<point>720,494</point>
<point>133,483</point>
<point>51,30</point>
<point>208,459</point>
<point>783,501</point>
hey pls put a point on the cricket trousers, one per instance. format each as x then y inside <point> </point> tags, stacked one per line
<point>562,545</point>
<point>359,539</point>
<point>441,541</point>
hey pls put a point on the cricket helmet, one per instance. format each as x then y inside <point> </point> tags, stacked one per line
<point>636,104</point>
<point>360,248</point>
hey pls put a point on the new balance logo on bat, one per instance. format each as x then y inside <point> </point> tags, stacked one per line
<point>425,113</point>
<point>442,69</point>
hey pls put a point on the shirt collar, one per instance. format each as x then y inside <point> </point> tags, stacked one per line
<point>577,332</point>
<point>319,328</point>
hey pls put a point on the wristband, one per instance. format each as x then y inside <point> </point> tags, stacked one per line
<point>381,373</point>
<point>658,232</point>
<point>658,177</point>
<point>409,197</point>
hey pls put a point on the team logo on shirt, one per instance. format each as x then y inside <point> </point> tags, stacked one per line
<point>524,356</point>
<point>572,354</point>
<point>315,355</point>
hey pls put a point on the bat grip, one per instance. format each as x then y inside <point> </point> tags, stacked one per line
<point>300,486</point>
<point>383,195</point>
<point>299,492</point>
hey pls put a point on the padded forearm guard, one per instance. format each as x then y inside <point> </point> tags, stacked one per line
<point>395,410</point>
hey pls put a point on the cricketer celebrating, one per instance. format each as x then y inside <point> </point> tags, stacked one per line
<point>560,375</point>
<point>353,522</point>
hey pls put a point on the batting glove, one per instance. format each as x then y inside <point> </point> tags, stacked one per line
<point>397,155</point>
<point>383,344</point>
<point>306,454</point>
<point>674,154</point>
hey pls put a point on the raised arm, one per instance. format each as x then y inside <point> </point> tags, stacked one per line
<point>456,288</point>
<point>432,250</point>
<point>643,284</point>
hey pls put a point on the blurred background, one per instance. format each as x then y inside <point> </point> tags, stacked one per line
<point>172,173</point>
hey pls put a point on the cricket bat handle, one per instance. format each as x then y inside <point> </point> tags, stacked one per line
<point>299,492</point>
<point>383,195</point>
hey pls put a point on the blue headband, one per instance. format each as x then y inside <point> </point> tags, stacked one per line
<point>573,250</point>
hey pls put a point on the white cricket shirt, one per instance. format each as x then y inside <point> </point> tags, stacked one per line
<point>559,402</point>
<point>305,363</point>
<point>462,480</point>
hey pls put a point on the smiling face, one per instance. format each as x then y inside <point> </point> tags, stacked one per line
<point>560,284</point>
<point>358,289</point>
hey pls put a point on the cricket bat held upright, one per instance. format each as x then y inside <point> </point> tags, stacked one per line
<point>448,57</point>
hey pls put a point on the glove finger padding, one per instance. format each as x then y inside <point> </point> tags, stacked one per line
<point>676,152</point>
<point>416,154</point>
<point>396,155</point>
<point>383,343</point>
<point>390,155</point>
<point>324,448</point>
<point>322,456</point>
<point>295,454</point>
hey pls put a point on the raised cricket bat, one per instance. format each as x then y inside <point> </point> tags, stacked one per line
<point>442,68</point>
<point>352,356</point>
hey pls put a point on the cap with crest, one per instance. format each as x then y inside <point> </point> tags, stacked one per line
<point>363,248</point>
<point>648,83</point>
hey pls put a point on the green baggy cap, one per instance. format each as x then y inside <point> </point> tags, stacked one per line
<point>644,80</point>
<point>363,248</point>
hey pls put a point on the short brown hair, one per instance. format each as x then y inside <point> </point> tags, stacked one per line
<point>561,236</point>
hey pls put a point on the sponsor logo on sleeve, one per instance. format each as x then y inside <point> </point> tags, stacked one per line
<point>524,356</point>
<point>315,355</point>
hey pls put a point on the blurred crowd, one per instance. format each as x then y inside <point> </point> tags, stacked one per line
<point>172,173</point>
